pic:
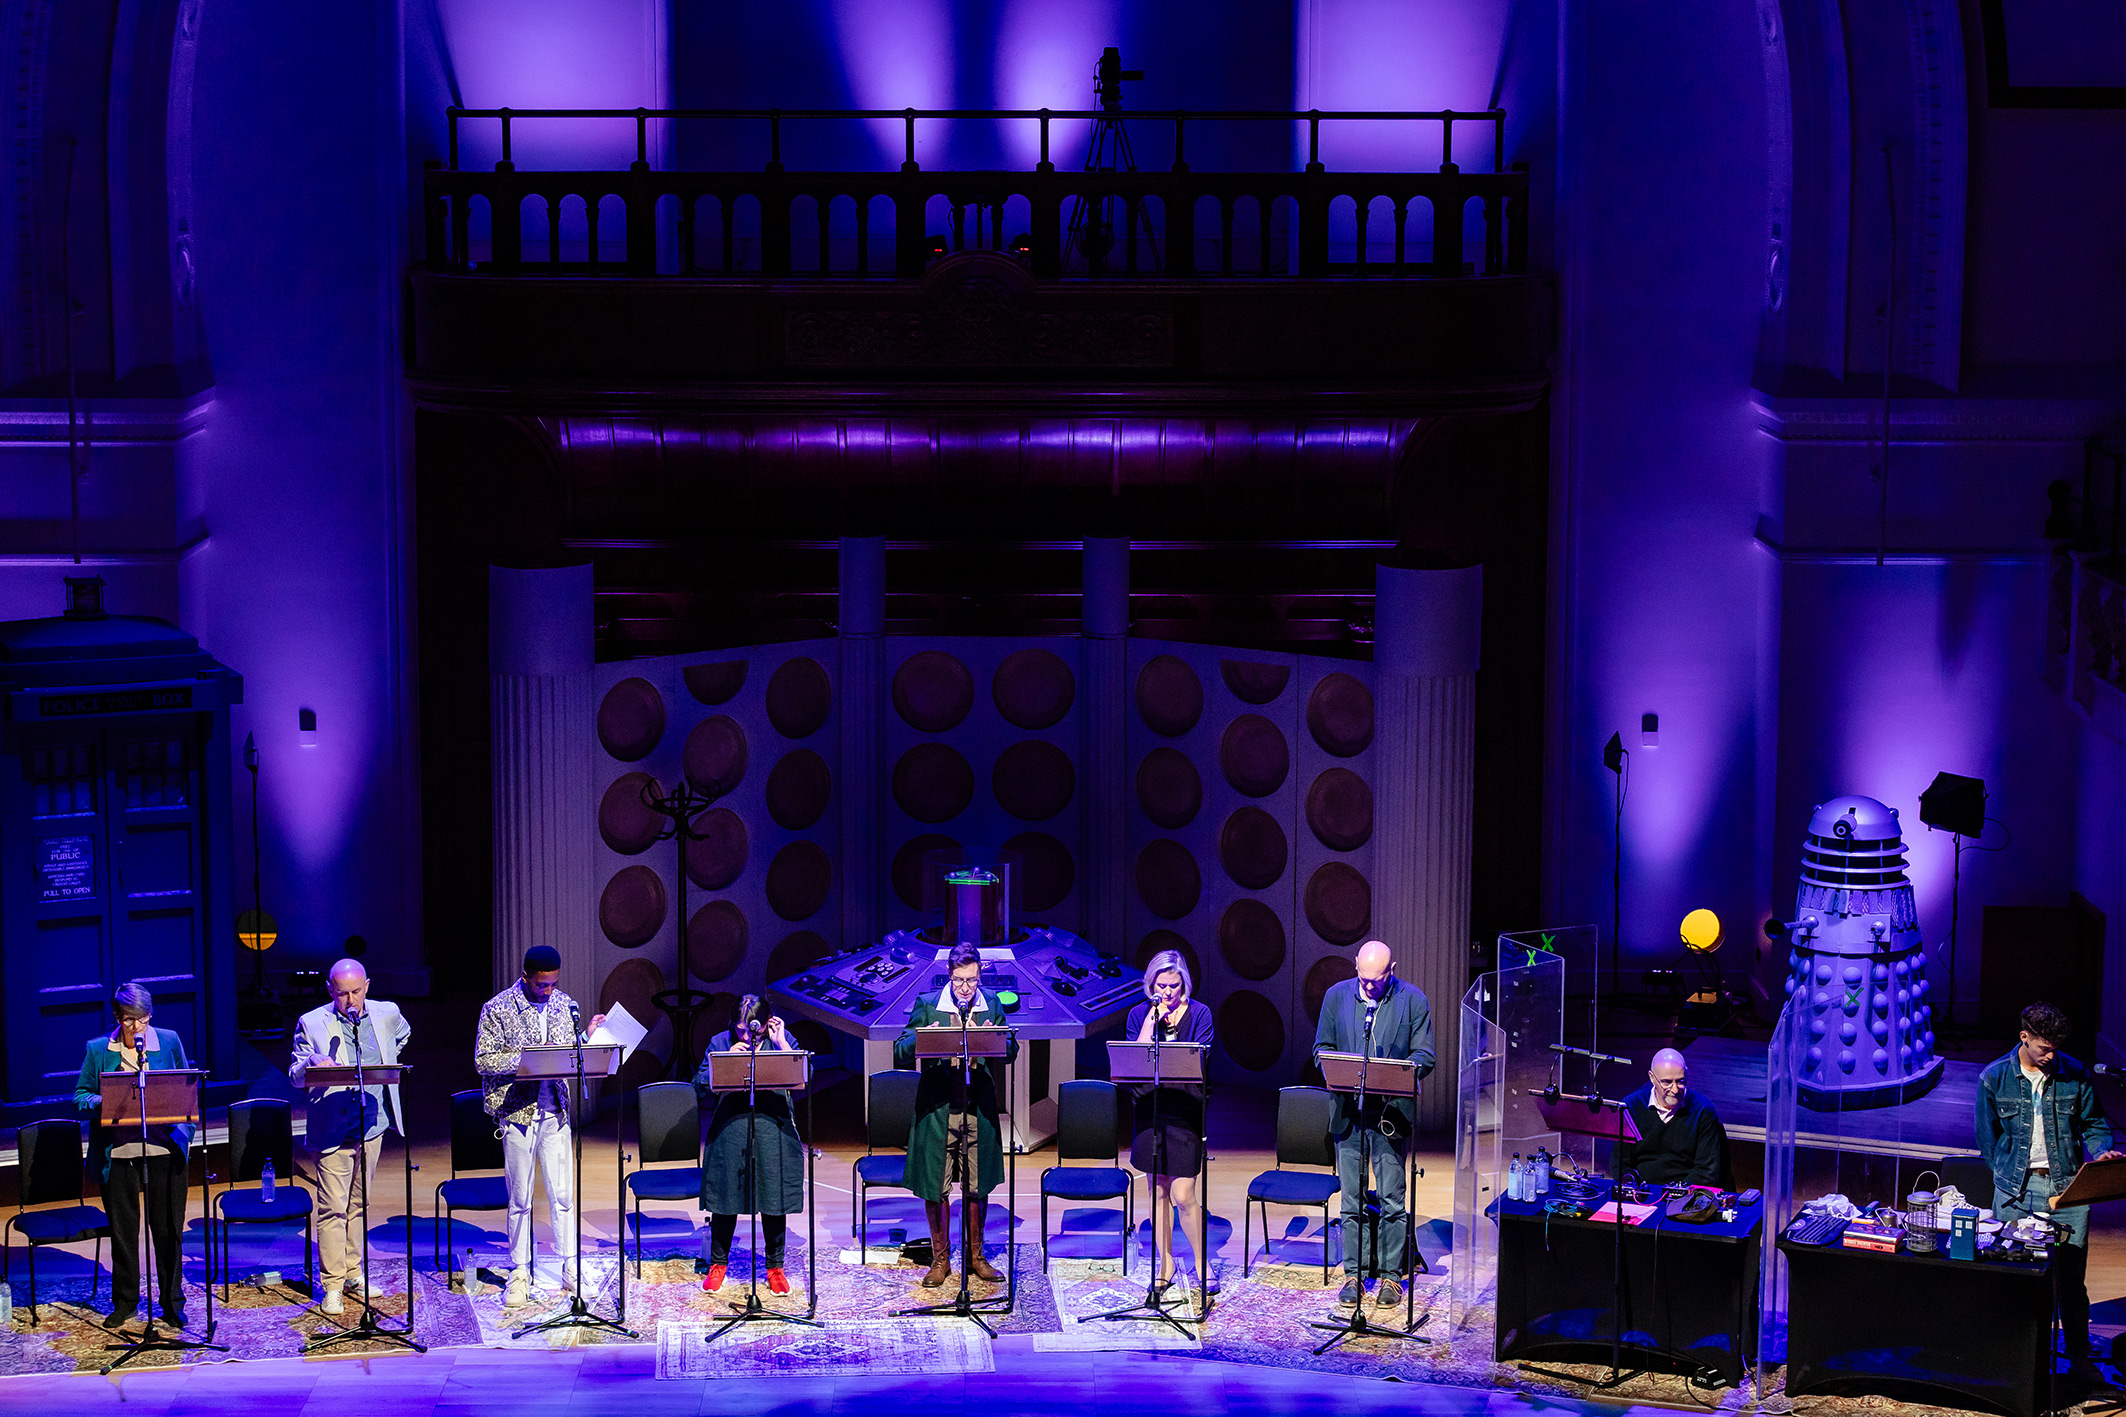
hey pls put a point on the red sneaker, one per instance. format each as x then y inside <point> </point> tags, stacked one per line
<point>715,1280</point>
<point>778,1283</point>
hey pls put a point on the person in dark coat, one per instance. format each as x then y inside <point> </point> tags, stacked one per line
<point>935,1161</point>
<point>1171,1154</point>
<point>137,1167</point>
<point>1680,1136</point>
<point>775,1188</point>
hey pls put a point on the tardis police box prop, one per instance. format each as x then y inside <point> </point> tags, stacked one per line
<point>114,837</point>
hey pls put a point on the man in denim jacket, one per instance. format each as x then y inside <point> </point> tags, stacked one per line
<point>2038,1116</point>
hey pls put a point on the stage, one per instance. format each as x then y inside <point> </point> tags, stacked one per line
<point>1730,1074</point>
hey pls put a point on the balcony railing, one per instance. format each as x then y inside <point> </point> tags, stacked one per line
<point>1171,223</point>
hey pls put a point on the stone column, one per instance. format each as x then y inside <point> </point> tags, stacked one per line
<point>862,620</point>
<point>1427,627</point>
<point>1104,625</point>
<point>540,651</point>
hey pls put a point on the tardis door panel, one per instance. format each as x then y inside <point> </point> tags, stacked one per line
<point>154,825</point>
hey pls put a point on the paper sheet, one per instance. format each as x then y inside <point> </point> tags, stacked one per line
<point>620,1027</point>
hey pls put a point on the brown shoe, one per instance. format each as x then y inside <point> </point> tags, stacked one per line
<point>938,1273</point>
<point>940,1248</point>
<point>975,1222</point>
<point>980,1267</point>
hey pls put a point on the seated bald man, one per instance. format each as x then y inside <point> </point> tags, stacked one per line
<point>1680,1136</point>
<point>343,1123</point>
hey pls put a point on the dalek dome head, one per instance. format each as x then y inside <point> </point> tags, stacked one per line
<point>1854,843</point>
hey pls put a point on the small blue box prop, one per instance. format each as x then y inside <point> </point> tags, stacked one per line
<point>1963,1234</point>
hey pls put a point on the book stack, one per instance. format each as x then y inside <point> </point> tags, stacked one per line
<point>1871,1234</point>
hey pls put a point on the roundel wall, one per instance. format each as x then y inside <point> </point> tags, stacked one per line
<point>757,729</point>
<point>1248,837</point>
<point>979,748</point>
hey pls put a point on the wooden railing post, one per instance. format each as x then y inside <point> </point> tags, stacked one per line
<point>911,242</point>
<point>774,225</point>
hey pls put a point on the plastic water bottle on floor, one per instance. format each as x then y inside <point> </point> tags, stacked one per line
<point>265,1185</point>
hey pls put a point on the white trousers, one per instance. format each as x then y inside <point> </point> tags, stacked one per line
<point>546,1140</point>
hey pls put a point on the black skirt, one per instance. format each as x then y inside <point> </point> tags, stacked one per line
<point>1175,1148</point>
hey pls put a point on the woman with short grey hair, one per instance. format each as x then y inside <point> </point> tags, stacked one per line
<point>139,1168</point>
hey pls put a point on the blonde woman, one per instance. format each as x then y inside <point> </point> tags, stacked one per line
<point>1170,1155</point>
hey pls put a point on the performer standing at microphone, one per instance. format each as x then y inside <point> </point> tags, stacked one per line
<point>1380,1016</point>
<point>137,1166</point>
<point>533,1116</point>
<point>936,1159</point>
<point>342,1122</point>
<point>1170,1156</point>
<point>775,1186</point>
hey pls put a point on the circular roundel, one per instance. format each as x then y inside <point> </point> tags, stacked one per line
<point>932,691</point>
<point>798,880</point>
<point>716,940</point>
<point>908,865</point>
<point>1033,689</point>
<point>1045,870</point>
<point>798,952</point>
<point>1252,848</point>
<point>631,719</point>
<point>631,908</point>
<point>932,782</point>
<point>1167,879</point>
<point>1033,780</point>
<point>1158,942</point>
<point>799,697</point>
<point>1254,683</point>
<point>715,754</point>
<point>1251,1030</point>
<point>1169,696</point>
<point>633,982</point>
<point>714,684</point>
<point>798,788</point>
<point>1340,715</point>
<point>1253,755</point>
<point>624,821</point>
<point>1339,903</point>
<point>717,852</point>
<point>1340,810</point>
<point>1168,788</point>
<point>1251,938</point>
<point>1325,972</point>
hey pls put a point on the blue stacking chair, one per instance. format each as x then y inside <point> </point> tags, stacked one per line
<point>475,1145</point>
<point>262,1129</point>
<point>668,1125</point>
<point>1087,1129</point>
<point>50,1168</point>
<point>888,1118</point>
<point>1303,1117</point>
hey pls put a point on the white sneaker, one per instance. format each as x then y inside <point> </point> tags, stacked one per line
<point>568,1276</point>
<point>355,1287</point>
<point>518,1294</point>
<point>331,1304</point>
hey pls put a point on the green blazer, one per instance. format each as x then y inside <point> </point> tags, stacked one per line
<point>164,1049</point>
<point>933,1105</point>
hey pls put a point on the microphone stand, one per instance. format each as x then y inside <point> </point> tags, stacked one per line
<point>1151,1310</point>
<point>1616,1199</point>
<point>579,1313</point>
<point>368,1327</point>
<point>150,1341</point>
<point>753,1311</point>
<point>961,1305</point>
<point>1358,1325</point>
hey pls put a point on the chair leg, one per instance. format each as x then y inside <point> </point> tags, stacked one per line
<point>96,1267</point>
<point>1247,1233</point>
<point>863,1225</point>
<point>1044,1231</point>
<point>310,1259</point>
<point>1324,1240</point>
<point>34,1321</point>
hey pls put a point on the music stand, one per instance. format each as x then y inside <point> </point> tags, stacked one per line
<point>1606,1119</point>
<point>968,1044</point>
<point>1364,1076</point>
<point>1160,1064</point>
<point>155,1097</point>
<point>778,1070</point>
<point>573,1063</point>
<point>2094,1181</point>
<point>361,1076</point>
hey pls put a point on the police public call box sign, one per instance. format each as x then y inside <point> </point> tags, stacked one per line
<point>66,868</point>
<point>157,699</point>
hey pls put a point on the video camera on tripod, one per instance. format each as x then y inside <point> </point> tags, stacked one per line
<point>1108,77</point>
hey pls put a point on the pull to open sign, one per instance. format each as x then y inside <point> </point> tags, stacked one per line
<point>114,701</point>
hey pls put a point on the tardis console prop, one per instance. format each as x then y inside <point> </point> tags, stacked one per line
<point>1051,984</point>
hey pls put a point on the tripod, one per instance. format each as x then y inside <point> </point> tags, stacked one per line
<point>1358,1325</point>
<point>579,1313</point>
<point>1092,231</point>
<point>753,1311</point>
<point>150,1340</point>
<point>1152,1309</point>
<point>682,806</point>
<point>963,1305</point>
<point>368,1327</point>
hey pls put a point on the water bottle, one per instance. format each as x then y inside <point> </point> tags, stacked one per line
<point>265,1184</point>
<point>1542,1173</point>
<point>1514,1179</point>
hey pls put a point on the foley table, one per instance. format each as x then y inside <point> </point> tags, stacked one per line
<point>1690,1291</point>
<point>1918,1327</point>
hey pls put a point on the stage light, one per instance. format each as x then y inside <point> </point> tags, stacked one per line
<point>306,727</point>
<point>1955,804</point>
<point>256,930</point>
<point>1701,931</point>
<point>1649,730</point>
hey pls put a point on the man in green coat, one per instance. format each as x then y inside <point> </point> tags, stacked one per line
<point>934,1158</point>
